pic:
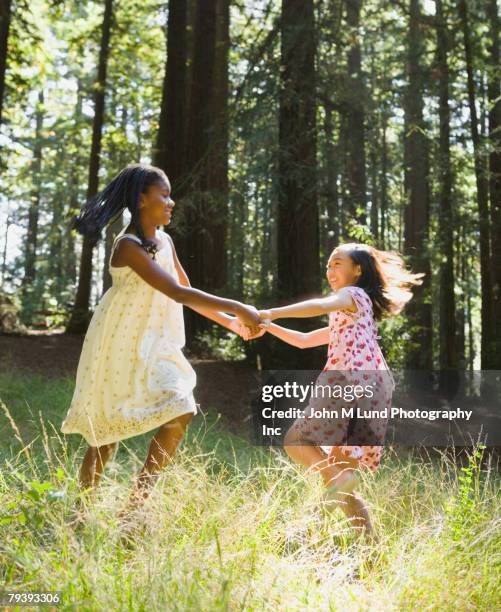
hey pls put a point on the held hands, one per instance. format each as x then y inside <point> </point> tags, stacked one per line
<point>266,318</point>
<point>244,331</point>
<point>251,331</point>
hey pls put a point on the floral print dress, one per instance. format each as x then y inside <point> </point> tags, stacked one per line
<point>354,358</point>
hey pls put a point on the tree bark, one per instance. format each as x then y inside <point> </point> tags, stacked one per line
<point>448,357</point>
<point>331,172</point>
<point>33,215</point>
<point>298,235</point>
<point>170,150</point>
<point>384,180</point>
<point>80,315</point>
<point>203,241</point>
<point>355,112</point>
<point>217,222</point>
<point>417,194</point>
<point>488,358</point>
<point>494,95</point>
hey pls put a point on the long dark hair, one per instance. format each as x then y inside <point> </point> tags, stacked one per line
<point>122,192</point>
<point>384,277</point>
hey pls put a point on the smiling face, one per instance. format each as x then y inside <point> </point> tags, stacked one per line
<point>156,204</point>
<point>342,271</point>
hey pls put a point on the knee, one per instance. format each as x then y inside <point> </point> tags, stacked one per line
<point>179,424</point>
<point>107,450</point>
<point>186,419</point>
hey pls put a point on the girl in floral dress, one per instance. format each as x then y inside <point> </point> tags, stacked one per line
<point>367,284</point>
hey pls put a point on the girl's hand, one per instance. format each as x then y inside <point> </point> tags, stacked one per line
<point>239,328</point>
<point>256,334</point>
<point>266,318</point>
<point>248,315</point>
<point>243,331</point>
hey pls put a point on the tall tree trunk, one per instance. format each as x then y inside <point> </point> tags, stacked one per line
<point>488,358</point>
<point>8,223</point>
<point>80,316</point>
<point>5,18</point>
<point>374,156</point>
<point>384,180</point>
<point>331,172</point>
<point>33,215</point>
<point>448,358</point>
<point>170,150</point>
<point>70,268</point>
<point>417,195</point>
<point>193,244</point>
<point>460,248</point>
<point>298,256</point>
<point>374,151</point>
<point>298,241</point>
<point>469,315</point>
<point>217,221</point>
<point>494,94</point>
<point>355,112</point>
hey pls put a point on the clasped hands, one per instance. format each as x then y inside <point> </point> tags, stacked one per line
<point>252,323</point>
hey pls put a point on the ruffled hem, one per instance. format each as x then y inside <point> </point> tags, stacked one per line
<point>142,426</point>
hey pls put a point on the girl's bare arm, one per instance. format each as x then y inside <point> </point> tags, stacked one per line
<point>301,340</point>
<point>133,255</point>
<point>341,300</point>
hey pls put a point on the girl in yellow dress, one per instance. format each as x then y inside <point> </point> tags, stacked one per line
<point>132,375</point>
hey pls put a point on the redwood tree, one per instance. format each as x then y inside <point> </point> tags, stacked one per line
<point>417,190</point>
<point>80,315</point>
<point>448,354</point>
<point>298,267</point>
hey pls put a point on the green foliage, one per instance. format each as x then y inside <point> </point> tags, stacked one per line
<point>221,344</point>
<point>33,505</point>
<point>463,512</point>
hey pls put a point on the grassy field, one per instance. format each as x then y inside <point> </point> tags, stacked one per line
<point>235,527</point>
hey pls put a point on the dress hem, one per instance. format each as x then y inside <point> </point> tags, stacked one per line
<point>190,409</point>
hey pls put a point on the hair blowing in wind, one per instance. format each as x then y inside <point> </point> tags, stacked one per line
<point>384,277</point>
<point>122,192</point>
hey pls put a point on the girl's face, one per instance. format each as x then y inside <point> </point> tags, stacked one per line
<point>342,271</point>
<point>156,204</point>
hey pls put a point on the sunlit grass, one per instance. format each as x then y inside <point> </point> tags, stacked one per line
<point>232,526</point>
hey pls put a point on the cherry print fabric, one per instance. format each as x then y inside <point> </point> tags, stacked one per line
<point>354,358</point>
<point>132,375</point>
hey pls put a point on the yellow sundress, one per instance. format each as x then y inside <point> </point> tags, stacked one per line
<point>132,375</point>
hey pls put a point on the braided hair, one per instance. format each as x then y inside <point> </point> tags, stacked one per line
<point>122,192</point>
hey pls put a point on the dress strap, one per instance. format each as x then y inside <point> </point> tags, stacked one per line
<point>117,240</point>
<point>138,240</point>
<point>120,236</point>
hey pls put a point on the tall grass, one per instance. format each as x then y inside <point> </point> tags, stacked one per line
<point>233,527</point>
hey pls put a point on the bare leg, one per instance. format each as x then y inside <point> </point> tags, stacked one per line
<point>353,505</point>
<point>333,470</point>
<point>162,448</point>
<point>357,512</point>
<point>93,464</point>
<point>313,458</point>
